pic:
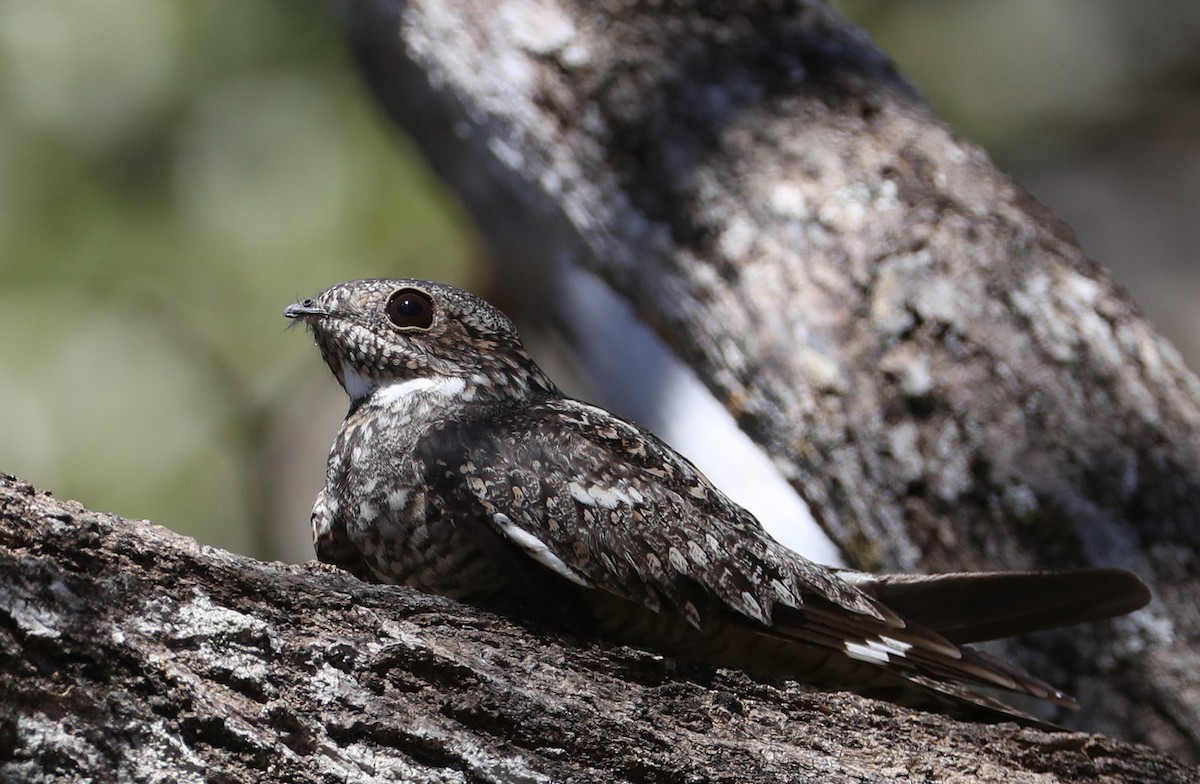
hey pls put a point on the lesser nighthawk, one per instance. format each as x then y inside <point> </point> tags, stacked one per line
<point>461,469</point>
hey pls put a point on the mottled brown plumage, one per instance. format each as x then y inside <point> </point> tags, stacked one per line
<point>461,469</point>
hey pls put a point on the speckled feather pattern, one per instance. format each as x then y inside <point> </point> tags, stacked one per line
<point>461,469</point>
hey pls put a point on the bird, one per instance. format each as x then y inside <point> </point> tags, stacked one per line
<point>461,469</point>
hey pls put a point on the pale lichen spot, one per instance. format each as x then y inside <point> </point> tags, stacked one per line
<point>697,554</point>
<point>678,560</point>
<point>698,491</point>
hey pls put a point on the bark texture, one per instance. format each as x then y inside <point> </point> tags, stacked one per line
<point>129,653</point>
<point>923,349</point>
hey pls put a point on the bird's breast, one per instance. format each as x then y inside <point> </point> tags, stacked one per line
<point>378,503</point>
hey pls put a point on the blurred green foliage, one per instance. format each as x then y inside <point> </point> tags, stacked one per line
<point>172,174</point>
<point>1014,74</point>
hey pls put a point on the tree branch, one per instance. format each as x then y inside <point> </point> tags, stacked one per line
<point>131,653</point>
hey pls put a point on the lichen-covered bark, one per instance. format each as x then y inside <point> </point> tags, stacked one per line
<point>129,653</point>
<point>925,351</point>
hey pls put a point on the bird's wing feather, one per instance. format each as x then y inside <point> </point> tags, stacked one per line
<point>607,504</point>
<point>610,507</point>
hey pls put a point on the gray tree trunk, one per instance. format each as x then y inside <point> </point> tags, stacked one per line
<point>921,348</point>
<point>129,653</point>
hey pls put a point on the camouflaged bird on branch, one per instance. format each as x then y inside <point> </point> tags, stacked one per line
<point>461,469</point>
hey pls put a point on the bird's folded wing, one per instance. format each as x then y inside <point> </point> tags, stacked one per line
<point>608,505</point>
<point>565,487</point>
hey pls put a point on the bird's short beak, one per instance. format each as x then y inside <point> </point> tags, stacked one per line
<point>303,310</point>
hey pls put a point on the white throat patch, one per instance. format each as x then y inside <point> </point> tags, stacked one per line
<point>359,387</point>
<point>400,391</point>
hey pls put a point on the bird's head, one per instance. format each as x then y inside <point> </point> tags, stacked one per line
<point>377,333</point>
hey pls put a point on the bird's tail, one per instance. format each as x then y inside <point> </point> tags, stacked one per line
<point>979,606</point>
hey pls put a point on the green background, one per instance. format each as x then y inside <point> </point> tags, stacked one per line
<point>172,174</point>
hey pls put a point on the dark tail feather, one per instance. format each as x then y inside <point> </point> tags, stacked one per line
<point>973,607</point>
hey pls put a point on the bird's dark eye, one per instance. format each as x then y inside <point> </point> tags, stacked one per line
<point>410,308</point>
